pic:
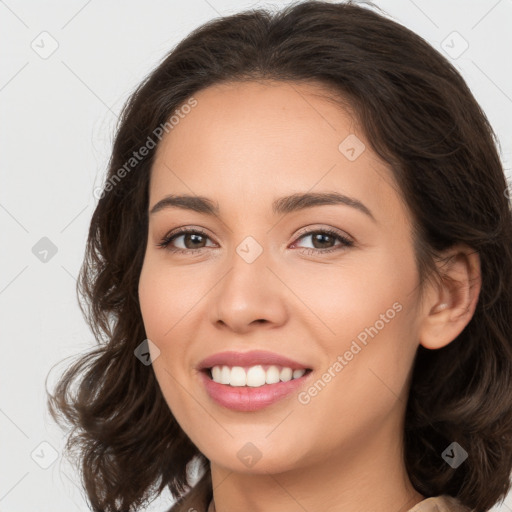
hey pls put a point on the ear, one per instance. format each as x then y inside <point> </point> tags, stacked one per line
<point>451,303</point>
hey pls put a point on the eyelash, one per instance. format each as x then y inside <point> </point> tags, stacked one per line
<point>164,244</point>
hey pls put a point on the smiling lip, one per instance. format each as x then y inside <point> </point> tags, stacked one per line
<point>252,358</point>
<point>246,398</point>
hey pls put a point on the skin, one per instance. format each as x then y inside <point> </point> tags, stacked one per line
<point>244,145</point>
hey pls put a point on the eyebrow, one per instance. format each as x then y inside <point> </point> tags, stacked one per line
<point>280,206</point>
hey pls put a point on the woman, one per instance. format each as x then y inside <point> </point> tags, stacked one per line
<point>368,369</point>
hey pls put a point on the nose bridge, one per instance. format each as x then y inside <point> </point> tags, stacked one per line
<point>250,240</point>
<point>249,291</point>
<point>248,266</point>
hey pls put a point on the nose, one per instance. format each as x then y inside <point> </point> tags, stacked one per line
<point>250,294</point>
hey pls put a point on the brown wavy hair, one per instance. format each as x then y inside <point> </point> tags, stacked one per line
<point>419,116</point>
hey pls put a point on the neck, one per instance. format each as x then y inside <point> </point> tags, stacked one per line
<point>368,475</point>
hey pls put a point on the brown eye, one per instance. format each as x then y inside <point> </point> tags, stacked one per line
<point>192,240</point>
<point>323,240</point>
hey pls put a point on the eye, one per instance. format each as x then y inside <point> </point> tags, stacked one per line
<point>322,237</point>
<point>194,238</point>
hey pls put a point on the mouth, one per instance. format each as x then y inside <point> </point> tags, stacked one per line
<point>251,381</point>
<point>250,389</point>
<point>253,376</point>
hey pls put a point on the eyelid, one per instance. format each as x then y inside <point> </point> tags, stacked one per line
<point>181,231</point>
<point>186,229</point>
<point>320,227</point>
<point>346,240</point>
<point>301,232</point>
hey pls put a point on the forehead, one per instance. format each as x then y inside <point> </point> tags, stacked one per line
<point>249,140</point>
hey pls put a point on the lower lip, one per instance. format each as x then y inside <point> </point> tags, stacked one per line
<point>246,398</point>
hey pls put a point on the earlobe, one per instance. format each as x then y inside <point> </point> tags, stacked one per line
<point>452,303</point>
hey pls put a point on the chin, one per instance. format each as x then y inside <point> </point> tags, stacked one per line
<point>255,458</point>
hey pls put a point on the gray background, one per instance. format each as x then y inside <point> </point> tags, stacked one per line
<point>58,116</point>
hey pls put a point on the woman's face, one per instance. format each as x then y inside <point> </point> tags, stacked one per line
<point>270,279</point>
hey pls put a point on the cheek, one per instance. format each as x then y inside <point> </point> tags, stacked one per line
<point>150,299</point>
<point>166,296</point>
<point>343,298</point>
<point>367,317</point>
<point>162,308</point>
<point>169,298</point>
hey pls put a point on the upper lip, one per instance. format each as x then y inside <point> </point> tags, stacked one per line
<point>252,358</point>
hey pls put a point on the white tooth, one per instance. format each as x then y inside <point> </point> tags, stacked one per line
<point>256,376</point>
<point>298,373</point>
<point>225,375</point>
<point>286,374</point>
<point>238,376</point>
<point>216,372</point>
<point>272,375</point>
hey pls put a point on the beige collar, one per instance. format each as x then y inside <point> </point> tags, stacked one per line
<point>442,503</point>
